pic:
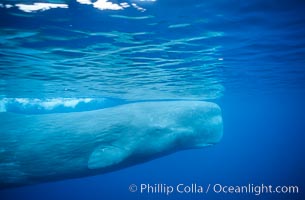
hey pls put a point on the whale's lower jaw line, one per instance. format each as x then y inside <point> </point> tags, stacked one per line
<point>51,147</point>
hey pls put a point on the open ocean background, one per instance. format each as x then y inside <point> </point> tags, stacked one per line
<point>247,56</point>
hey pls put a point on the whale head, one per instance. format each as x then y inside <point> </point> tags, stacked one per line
<point>156,129</point>
<point>166,127</point>
<point>199,125</point>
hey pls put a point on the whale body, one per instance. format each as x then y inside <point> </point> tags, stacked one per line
<point>49,147</point>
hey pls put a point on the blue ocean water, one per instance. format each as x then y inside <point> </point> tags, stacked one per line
<point>248,57</point>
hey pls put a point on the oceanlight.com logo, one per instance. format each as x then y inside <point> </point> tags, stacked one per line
<point>217,188</point>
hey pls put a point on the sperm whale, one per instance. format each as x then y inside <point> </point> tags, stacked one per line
<point>49,147</point>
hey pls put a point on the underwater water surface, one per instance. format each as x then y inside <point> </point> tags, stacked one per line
<point>248,57</point>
